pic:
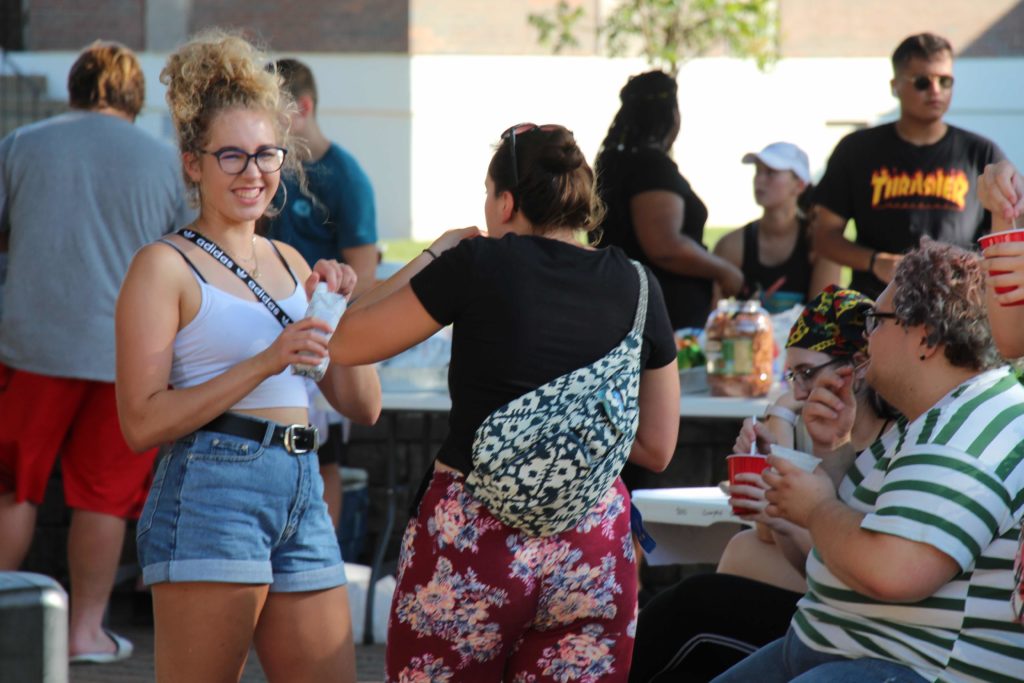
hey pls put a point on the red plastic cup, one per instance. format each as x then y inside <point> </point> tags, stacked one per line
<point>739,464</point>
<point>987,241</point>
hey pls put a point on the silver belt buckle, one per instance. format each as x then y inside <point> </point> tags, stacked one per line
<point>300,439</point>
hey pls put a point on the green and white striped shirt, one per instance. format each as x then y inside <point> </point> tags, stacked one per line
<point>954,479</point>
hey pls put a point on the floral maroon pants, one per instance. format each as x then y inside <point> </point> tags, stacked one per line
<point>478,601</point>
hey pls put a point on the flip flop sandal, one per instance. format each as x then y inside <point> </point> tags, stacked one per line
<point>123,650</point>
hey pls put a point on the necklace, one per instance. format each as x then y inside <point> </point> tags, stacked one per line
<point>254,260</point>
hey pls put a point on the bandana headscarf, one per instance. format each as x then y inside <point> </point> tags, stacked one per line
<point>833,323</point>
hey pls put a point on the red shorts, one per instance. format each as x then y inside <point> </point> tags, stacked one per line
<point>41,415</point>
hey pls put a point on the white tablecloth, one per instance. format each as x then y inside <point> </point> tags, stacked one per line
<point>690,525</point>
<point>690,405</point>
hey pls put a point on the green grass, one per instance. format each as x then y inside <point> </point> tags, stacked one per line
<point>404,251</point>
<point>712,235</point>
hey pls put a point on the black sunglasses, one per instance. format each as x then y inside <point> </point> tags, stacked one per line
<point>922,83</point>
<point>510,135</point>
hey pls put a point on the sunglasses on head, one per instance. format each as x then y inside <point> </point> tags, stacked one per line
<point>521,129</point>
<point>922,83</point>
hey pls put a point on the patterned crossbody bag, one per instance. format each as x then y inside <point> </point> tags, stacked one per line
<point>544,460</point>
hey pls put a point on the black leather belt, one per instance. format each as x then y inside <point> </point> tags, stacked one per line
<point>297,439</point>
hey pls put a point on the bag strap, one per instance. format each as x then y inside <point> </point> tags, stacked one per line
<point>640,319</point>
<point>211,248</point>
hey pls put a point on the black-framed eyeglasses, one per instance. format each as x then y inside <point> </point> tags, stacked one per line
<point>234,161</point>
<point>922,82</point>
<point>510,135</point>
<point>804,376</point>
<point>872,320</point>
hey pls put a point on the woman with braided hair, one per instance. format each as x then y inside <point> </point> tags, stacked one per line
<point>653,213</point>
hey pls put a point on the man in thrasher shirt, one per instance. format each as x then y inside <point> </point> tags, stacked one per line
<point>904,180</point>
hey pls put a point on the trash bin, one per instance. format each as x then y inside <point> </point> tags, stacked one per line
<point>355,505</point>
<point>33,628</point>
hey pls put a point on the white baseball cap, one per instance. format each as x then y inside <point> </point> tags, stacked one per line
<point>782,156</point>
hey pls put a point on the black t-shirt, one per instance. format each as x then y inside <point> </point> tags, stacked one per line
<point>527,310</point>
<point>897,192</point>
<point>794,273</point>
<point>628,173</point>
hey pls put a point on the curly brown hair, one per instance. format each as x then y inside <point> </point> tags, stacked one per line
<point>218,70</point>
<point>942,287</point>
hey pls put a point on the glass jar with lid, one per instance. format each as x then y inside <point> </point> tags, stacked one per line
<point>739,349</point>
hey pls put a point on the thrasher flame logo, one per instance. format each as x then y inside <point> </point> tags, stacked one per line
<point>918,190</point>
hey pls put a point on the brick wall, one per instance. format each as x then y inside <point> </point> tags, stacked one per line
<point>808,28</point>
<point>313,25</point>
<point>73,24</point>
<point>872,28</point>
<point>1004,38</point>
<point>473,27</point>
<point>308,26</point>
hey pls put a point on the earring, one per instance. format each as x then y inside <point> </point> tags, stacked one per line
<point>922,356</point>
<point>274,211</point>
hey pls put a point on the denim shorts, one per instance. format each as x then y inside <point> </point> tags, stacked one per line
<point>229,509</point>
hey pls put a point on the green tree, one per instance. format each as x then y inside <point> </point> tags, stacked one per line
<point>669,32</point>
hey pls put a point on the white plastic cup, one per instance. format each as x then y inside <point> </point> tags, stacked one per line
<point>804,461</point>
<point>329,307</point>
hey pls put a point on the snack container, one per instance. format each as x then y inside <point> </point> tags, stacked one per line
<point>329,307</point>
<point>739,349</point>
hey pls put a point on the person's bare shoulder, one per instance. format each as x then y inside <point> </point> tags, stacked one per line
<point>296,261</point>
<point>730,247</point>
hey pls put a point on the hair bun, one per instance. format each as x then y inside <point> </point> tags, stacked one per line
<point>561,154</point>
<point>216,70</point>
<point>649,86</point>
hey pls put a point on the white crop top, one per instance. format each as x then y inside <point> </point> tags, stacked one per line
<point>227,330</point>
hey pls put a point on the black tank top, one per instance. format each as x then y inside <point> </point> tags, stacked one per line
<point>795,272</point>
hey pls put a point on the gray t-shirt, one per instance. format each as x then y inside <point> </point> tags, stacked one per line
<point>80,193</point>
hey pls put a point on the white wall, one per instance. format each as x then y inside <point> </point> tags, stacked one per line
<point>424,126</point>
<point>461,105</point>
<point>364,105</point>
<point>814,102</point>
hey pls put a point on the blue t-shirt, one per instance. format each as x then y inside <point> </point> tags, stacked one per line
<point>346,216</point>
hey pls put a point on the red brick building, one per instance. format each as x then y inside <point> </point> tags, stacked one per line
<point>807,28</point>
